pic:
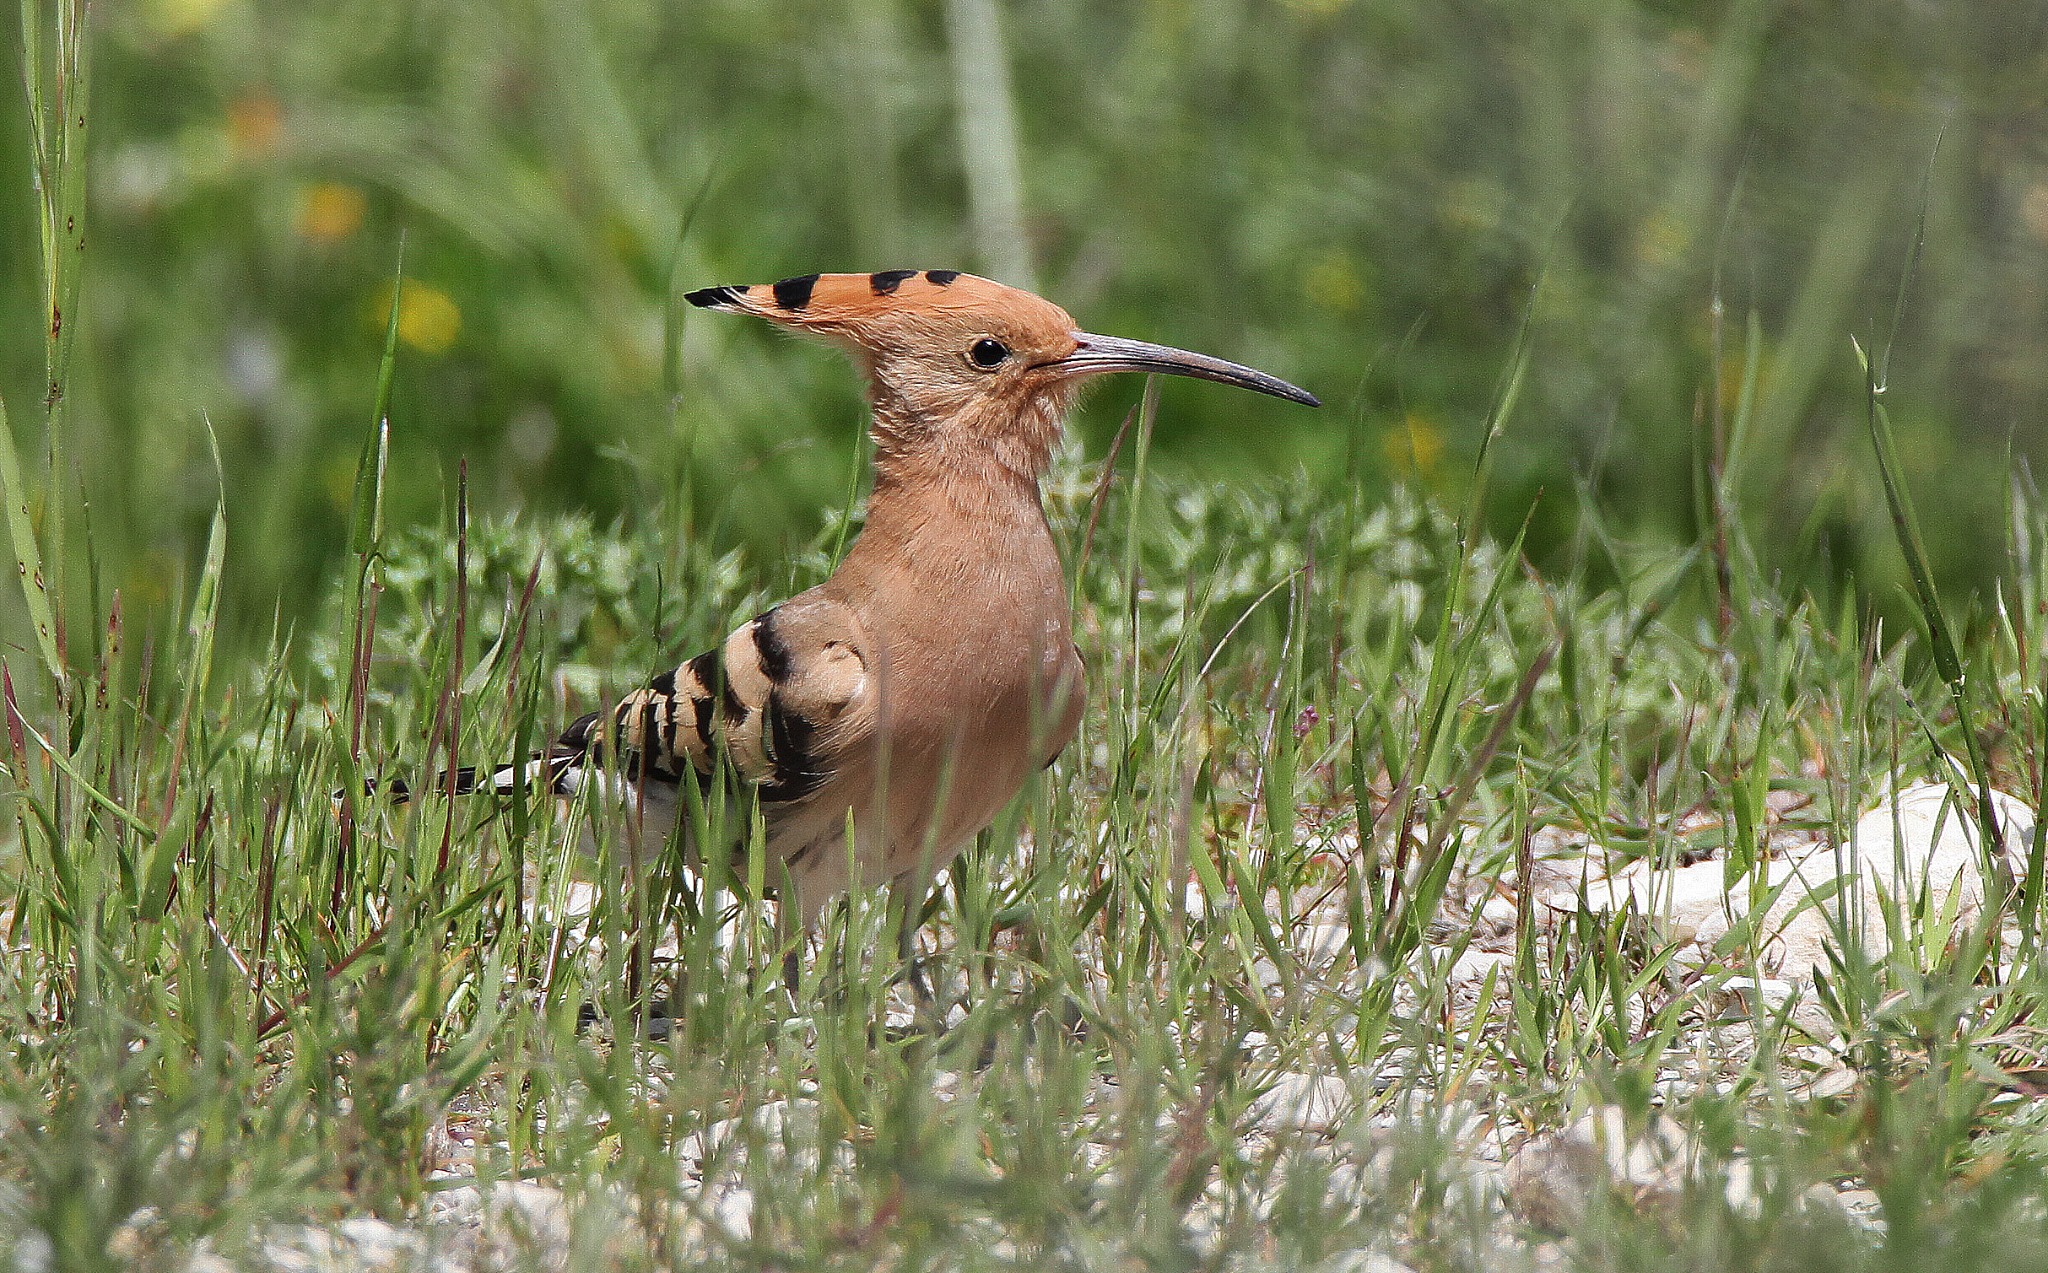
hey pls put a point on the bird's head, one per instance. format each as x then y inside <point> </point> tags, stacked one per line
<point>961,367</point>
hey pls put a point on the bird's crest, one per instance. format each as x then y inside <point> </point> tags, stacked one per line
<point>833,300</point>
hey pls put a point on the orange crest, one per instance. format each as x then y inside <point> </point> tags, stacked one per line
<point>831,300</point>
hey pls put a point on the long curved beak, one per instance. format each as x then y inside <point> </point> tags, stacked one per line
<point>1093,354</point>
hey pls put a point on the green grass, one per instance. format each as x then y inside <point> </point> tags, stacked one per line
<point>1330,713</point>
<point>228,1009</point>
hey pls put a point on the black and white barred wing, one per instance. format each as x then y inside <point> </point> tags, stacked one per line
<point>786,704</point>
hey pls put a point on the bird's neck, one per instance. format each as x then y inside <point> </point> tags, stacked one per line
<point>997,442</point>
<point>942,520</point>
<point>956,552</point>
<point>948,539</point>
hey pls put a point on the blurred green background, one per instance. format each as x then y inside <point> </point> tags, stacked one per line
<point>1356,195</point>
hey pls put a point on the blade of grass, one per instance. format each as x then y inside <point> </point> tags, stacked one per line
<point>1450,656</point>
<point>1941,641</point>
<point>134,822</point>
<point>57,89</point>
<point>177,815</point>
<point>28,559</point>
<point>1101,494</point>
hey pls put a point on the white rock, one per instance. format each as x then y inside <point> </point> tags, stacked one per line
<point>1472,966</point>
<point>359,1244</point>
<point>1751,997</point>
<point>34,1254</point>
<point>461,1204</point>
<point>1555,1179</point>
<point>526,1225</point>
<point>1862,1206</point>
<point>1498,913</point>
<point>1930,832</point>
<point>1268,973</point>
<point>1320,945</point>
<point>731,1207</point>
<point>1924,839</point>
<point>1831,1084</point>
<point>1295,1102</point>
<point>577,900</point>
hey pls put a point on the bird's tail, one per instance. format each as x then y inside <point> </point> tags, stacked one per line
<point>554,773</point>
<point>557,770</point>
<point>399,791</point>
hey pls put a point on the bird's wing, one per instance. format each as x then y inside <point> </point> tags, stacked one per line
<point>784,702</point>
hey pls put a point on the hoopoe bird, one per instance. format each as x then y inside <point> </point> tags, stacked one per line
<point>909,697</point>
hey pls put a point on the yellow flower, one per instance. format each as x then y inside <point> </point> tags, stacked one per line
<point>255,124</point>
<point>428,318</point>
<point>1662,239</point>
<point>337,479</point>
<point>1331,283</point>
<point>1734,370</point>
<point>1473,206</point>
<point>144,586</point>
<point>1414,446</point>
<point>2034,209</point>
<point>182,17</point>
<point>328,211</point>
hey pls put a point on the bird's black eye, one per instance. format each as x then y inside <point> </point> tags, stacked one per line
<point>988,353</point>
